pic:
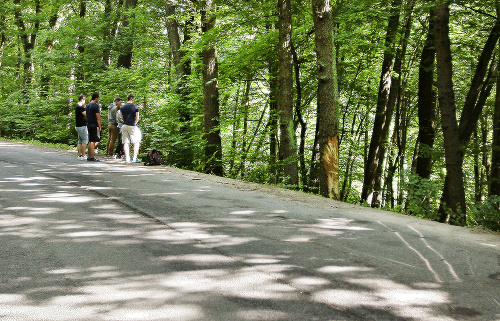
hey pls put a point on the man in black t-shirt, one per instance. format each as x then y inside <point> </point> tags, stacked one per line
<point>94,125</point>
<point>131,134</point>
<point>81,126</point>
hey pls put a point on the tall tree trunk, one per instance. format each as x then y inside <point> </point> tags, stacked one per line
<point>244,152</point>
<point>45,77</point>
<point>426,106</point>
<point>2,34</point>
<point>395,99</point>
<point>454,193</point>
<point>288,144</point>
<point>184,152</point>
<point>78,71</point>
<point>300,119</point>
<point>273,120</point>
<point>474,103</point>
<point>494,186</point>
<point>383,117</point>
<point>485,169</point>
<point>28,39</point>
<point>327,115</point>
<point>213,142</point>
<point>110,26</point>
<point>126,36</point>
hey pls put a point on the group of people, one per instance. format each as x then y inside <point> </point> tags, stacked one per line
<point>122,124</point>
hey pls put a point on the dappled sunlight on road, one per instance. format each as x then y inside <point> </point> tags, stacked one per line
<point>95,255</point>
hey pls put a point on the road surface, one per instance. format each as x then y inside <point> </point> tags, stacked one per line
<point>115,241</point>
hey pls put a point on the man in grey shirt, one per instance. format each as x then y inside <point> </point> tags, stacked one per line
<point>113,131</point>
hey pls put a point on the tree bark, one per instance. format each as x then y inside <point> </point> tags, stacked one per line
<point>45,75</point>
<point>127,36</point>
<point>300,119</point>
<point>213,142</point>
<point>494,186</point>
<point>426,107</point>
<point>472,110</point>
<point>288,144</point>
<point>383,117</point>
<point>184,156</point>
<point>454,192</point>
<point>273,119</point>
<point>28,39</point>
<point>327,115</point>
<point>474,103</point>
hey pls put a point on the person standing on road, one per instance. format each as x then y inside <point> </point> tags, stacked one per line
<point>131,134</point>
<point>81,127</point>
<point>112,129</point>
<point>119,121</point>
<point>94,125</point>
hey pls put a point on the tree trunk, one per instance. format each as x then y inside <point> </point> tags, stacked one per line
<point>288,144</point>
<point>45,74</point>
<point>385,108</point>
<point>327,115</point>
<point>300,120</point>
<point>183,153</point>
<point>273,120</point>
<point>494,186</point>
<point>28,40</point>
<point>107,33</point>
<point>454,193</point>
<point>395,99</point>
<point>472,109</point>
<point>244,152</point>
<point>213,142</point>
<point>474,103</point>
<point>127,36</point>
<point>426,107</point>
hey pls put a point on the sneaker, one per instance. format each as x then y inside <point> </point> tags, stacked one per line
<point>82,157</point>
<point>136,160</point>
<point>93,159</point>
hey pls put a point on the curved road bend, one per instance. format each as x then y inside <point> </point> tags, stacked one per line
<point>110,241</point>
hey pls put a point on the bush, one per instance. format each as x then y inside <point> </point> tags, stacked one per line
<point>423,197</point>
<point>486,214</point>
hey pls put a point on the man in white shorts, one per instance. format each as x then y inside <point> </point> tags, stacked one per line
<point>131,134</point>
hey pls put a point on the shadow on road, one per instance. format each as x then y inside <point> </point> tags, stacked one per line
<point>76,247</point>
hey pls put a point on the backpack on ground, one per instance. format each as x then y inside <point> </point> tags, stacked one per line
<point>154,158</point>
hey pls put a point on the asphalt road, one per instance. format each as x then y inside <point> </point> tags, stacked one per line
<point>111,241</point>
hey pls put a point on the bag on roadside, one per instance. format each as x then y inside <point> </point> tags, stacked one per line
<point>155,157</point>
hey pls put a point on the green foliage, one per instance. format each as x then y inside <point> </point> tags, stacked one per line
<point>486,214</point>
<point>422,197</point>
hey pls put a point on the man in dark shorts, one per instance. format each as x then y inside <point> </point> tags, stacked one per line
<point>94,125</point>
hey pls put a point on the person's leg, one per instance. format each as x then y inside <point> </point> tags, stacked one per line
<point>83,138</point>
<point>81,150</point>
<point>113,133</point>
<point>136,150</point>
<point>136,139</point>
<point>119,145</point>
<point>93,141</point>
<point>126,151</point>
<point>91,149</point>
<point>126,142</point>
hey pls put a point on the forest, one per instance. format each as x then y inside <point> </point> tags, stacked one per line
<point>392,104</point>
